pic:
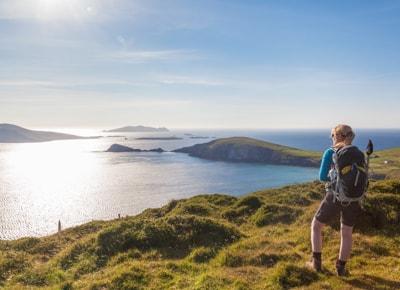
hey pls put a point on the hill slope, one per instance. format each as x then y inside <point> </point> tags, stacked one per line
<point>243,149</point>
<point>14,134</point>
<point>258,241</point>
<point>386,163</point>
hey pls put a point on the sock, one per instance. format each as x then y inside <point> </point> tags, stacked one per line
<point>340,263</point>
<point>316,255</point>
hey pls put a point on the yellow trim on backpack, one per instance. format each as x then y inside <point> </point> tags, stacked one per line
<point>346,169</point>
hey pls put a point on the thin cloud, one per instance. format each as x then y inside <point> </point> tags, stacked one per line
<point>141,56</point>
<point>26,83</point>
<point>185,80</point>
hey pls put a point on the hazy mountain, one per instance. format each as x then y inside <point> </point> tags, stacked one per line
<point>138,129</point>
<point>14,134</point>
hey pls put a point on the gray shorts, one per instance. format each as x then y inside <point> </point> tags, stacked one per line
<point>329,209</point>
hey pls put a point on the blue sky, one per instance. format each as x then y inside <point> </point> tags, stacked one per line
<point>200,64</point>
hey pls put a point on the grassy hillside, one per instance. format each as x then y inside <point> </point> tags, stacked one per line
<point>276,147</point>
<point>258,241</point>
<point>386,163</point>
<point>244,149</point>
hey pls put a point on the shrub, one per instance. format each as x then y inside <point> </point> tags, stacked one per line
<point>263,259</point>
<point>199,231</point>
<point>25,244</point>
<point>229,259</point>
<point>235,215</point>
<point>380,211</point>
<point>314,195</point>
<point>220,199</point>
<point>195,209</point>
<point>275,213</point>
<point>288,276</point>
<point>72,255</point>
<point>202,255</point>
<point>181,231</point>
<point>242,208</point>
<point>385,186</point>
<point>12,263</point>
<point>134,279</point>
<point>251,202</point>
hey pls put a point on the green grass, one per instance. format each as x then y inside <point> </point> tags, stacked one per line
<point>285,150</point>
<point>258,241</point>
<point>386,163</point>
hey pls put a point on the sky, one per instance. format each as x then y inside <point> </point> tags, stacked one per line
<point>200,64</point>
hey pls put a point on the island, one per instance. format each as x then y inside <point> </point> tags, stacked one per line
<point>199,137</point>
<point>138,129</point>
<point>244,149</point>
<point>121,148</point>
<point>10,133</point>
<point>159,138</point>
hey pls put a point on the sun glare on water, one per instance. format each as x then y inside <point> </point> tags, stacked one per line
<point>51,164</point>
<point>44,176</point>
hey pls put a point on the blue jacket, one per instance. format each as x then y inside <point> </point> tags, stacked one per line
<point>326,164</point>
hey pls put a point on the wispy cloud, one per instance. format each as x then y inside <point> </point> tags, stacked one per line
<point>141,56</point>
<point>189,80</point>
<point>26,83</point>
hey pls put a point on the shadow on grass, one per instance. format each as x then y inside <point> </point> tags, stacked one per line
<point>374,282</point>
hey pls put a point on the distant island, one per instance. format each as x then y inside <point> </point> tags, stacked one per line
<point>159,138</point>
<point>243,149</point>
<point>138,129</point>
<point>199,137</point>
<point>14,134</point>
<point>117,148</point>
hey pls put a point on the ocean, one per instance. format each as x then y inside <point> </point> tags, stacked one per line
<point>75,181</point>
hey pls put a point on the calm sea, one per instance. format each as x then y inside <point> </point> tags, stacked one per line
<point>75,181</point>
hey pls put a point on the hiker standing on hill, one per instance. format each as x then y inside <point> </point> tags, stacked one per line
<point>343,167</point>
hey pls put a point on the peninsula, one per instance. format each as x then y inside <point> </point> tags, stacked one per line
<point>14,134</point>
<point>244,149</point>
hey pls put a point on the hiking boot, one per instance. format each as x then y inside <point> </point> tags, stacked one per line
<point>341,267</point>
<point>315,263</point>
